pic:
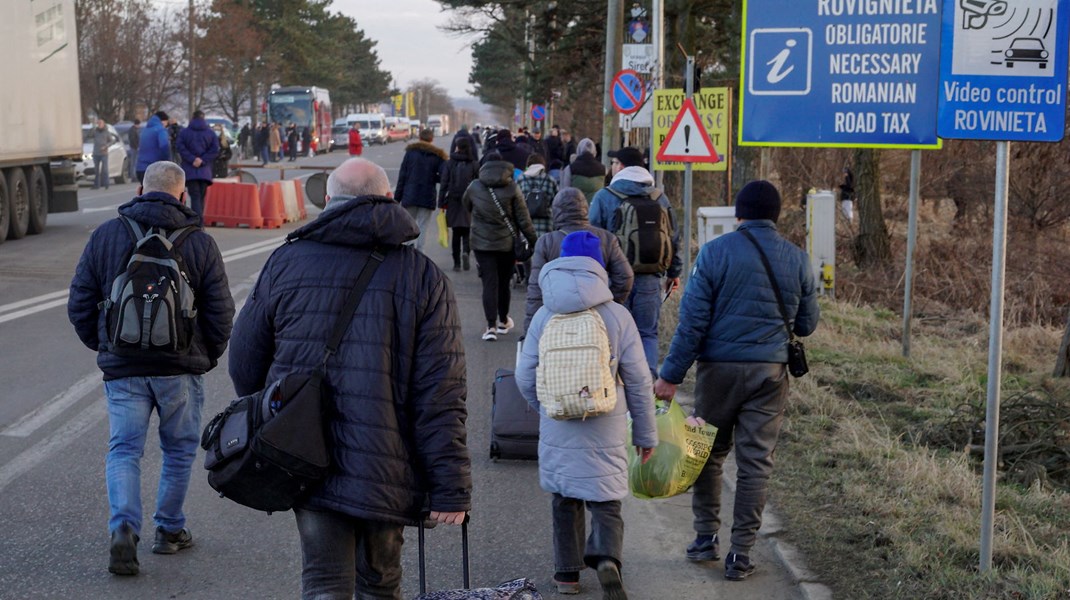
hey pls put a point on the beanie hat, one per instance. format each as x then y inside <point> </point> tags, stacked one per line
<point>629,157</point>
<point>758,200</point>
<point>582,243</point>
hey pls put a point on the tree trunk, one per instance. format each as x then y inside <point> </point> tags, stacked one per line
<point>1062,362</point>
<point>871,247</point>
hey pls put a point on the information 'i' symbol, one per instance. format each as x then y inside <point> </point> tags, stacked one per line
<point>778,73</point>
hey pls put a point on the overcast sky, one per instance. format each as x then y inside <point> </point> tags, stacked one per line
<point>410,45</point>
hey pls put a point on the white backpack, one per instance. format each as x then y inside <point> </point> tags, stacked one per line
<point>575,378</point>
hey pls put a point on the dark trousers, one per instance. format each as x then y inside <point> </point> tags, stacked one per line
<point>460,243</point>
<point>140,176</point>
<point>571,551</point>
<point>496,270</point>
<point>745,401</point>
<point>197,189</point>
<point>342,556</point>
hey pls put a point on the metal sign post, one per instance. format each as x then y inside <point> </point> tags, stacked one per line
<point>689,91</point>
<point>912,242</point>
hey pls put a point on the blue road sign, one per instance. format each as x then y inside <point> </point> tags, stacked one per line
<point>846,73</point>
<point>538,112</point>
<point>628,91</point>
<point>1003,70</point>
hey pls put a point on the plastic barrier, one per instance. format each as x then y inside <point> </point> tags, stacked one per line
<point>230,204</point>
<point>272,206</point>
<point>300,190</point>
<point>289,200</point>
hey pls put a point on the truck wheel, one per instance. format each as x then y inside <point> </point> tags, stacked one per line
<point>121,178</point>
<point>5,209</point>
<point>38,200</point>
<point>18,202</point>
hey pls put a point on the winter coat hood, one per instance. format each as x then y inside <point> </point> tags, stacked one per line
<point>361,222</point>
<point>159,209</point>
<point>574,283</point>
<point>634,174</point>
<point>461,156</point>
<point>496,173</point>
<point>198,124</point>
<point>586,146</point>
<point>569,208</point>
<point>427,148</point>
<point>154,122</point>
<point>535,170</point>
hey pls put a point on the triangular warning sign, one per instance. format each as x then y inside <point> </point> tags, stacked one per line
<point>688,140</point>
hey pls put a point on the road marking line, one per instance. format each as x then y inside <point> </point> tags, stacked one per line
<point>60,439</point>
<point>36,309</point>
<point>35,300</point>
<point>100,209</point>
<point>33,421</point>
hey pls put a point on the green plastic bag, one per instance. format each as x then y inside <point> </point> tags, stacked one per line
<point>682,452</point>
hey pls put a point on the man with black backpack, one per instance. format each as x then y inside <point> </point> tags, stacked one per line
<point>642,218</point>
<point>150,296</point>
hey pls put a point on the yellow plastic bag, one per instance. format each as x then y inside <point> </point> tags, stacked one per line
<point>443,231</point>
<point>676,464</point>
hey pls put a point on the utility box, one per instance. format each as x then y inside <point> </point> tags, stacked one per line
<point>715,221</point>
<point>821,238</point>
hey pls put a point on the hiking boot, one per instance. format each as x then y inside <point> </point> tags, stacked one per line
<point>737,567</point>
<point>506,327</point>
<point>567,583</point>
<point>464,262</point>
<point>704,548</point>
<point>123,552</point>
<point>609,577</point>
<point>169,543</point>
<point>489,335</point>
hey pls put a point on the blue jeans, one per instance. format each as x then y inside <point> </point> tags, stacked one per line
<point>131,400</point>
<point>425,220</point>
<point>100,168</point>
<point>343,555</point>
<point>644,303</point>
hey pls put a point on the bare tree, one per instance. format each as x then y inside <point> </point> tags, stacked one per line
<point>871,246</point>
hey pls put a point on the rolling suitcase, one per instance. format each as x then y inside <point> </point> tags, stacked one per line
<point>514,429</point>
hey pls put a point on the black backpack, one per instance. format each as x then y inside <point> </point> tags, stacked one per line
<point>644,229</point>
<point>538,203</point>
<point>151,305</point>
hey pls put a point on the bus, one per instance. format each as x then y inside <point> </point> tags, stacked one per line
<point>305,107</point>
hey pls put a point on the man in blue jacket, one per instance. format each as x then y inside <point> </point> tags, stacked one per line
<point>397,426</point>
<point>730,322</point>
<point>138,382</point>
<point>155,143</point>
<point>418,180</point>
<point>198,146</point>
<point>630,178</point>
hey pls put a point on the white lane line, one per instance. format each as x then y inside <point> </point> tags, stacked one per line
<point>100,209</point>
<point>275,241</point>
<point>36,309</point>
<point>46,412</point>
<point>42,298</point>
<point>60,439</point>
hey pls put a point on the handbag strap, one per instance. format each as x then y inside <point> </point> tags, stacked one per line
<point>352,300</point>
<point>501,210</point>
<point>772,280</point>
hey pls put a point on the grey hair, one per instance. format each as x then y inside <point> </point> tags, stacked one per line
<point>370,180</point>
<point>164,176</point>
<point>586,145</point>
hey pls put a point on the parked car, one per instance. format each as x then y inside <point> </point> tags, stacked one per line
<point>118,158</point>
<point>339,136</point>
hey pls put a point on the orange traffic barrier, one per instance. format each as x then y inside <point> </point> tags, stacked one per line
<point>300,199</point>
<point>271,204</point>
<point>230,204</point>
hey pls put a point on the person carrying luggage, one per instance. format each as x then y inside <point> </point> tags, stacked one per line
<point>583,462</point>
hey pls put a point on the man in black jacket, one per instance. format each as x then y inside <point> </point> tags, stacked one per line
<point>417,191</point>
<point>139,381</point>
<point>397,429</point>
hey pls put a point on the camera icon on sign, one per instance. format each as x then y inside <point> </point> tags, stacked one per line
<point>781,62</point>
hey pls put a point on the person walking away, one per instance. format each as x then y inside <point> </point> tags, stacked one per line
<point>554,148</point>
<point>137,381</point>
<point>511,151</point>
<point>102,138</point>
<point>198,146</point>
<point>155,144</point>
<point>539,190</point>
<point>569,216</point>
<point>262,143</point>
<point>275,142</point>
<point>568,147</point>
<point>356,145</point>
<point>584,462</point>
<point>133,139</point>
<point>306,142</point>
<point>243,142</point>
<point>221,164</point>
<point>730,322</point>
<point>292,139</point>
<point>464,133</point>
<point>498,215</point>
<point>585,172</point>
<point>660,239</point>
<point>172,133</point>
<point>458,172</point>
<point>420,172</point>
<point>397,403</point>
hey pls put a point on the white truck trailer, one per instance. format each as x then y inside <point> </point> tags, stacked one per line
<point>40,114</point>
<point>440,124</point>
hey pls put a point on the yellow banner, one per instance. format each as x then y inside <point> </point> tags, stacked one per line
<point>712,106</point>
<point>397,102</point>
<point>412,104</point>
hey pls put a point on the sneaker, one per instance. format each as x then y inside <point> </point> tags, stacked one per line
<point>704,548</point>
<point>169,543</point>
<point>489,335</point>
<point>737,567</point>
<point>456,266</point>
<point>506,327</point>
<point>123,559</point>
<point>609,577</point>
<point>567,583</point>
<point>464,261</point>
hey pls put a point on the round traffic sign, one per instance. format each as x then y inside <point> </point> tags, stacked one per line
<point>538,112</point>
<point>628,92</point>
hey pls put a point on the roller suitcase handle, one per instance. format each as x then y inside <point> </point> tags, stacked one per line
<point>464,555</point>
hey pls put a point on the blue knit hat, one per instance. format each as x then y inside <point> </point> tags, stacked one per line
<point>583,243</point>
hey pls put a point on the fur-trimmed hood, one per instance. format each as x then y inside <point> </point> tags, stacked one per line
<point>428,148</point>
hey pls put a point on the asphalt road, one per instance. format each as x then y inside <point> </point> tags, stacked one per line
<point>53,440</point>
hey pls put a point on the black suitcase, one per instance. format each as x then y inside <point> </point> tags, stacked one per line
<point>514,429</point>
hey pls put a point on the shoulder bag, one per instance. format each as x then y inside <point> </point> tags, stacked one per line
<point>796,351</point>
<point>522,250</point>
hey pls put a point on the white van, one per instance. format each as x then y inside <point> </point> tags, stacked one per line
<point>372,127</point>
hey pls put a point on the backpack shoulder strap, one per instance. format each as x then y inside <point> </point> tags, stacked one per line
<point>133,227</point>
<point>179,235</point>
